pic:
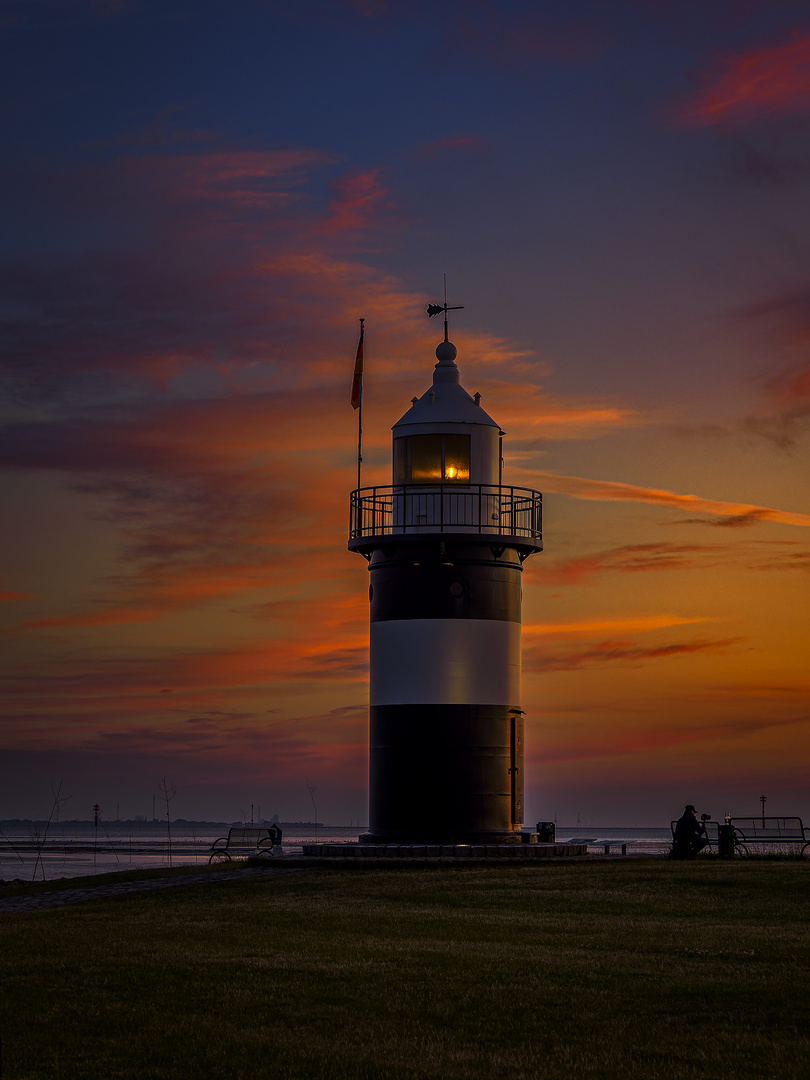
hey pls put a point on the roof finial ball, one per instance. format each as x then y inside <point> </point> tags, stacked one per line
<point>446,352</point>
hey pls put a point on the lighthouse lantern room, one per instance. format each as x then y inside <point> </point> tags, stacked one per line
<point>445,545</point>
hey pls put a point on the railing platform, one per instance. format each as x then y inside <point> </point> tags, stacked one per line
<point>511,515</point>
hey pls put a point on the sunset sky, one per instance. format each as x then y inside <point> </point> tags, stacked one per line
<point>201,198</point>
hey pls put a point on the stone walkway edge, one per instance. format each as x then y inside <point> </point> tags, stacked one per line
<point>40,901</point>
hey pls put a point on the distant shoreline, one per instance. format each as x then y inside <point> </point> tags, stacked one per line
<point>201,824</point>
<point>178,821</point>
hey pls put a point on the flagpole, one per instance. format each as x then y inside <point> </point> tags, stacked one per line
<point>360,432</point>
<point>357,397</point>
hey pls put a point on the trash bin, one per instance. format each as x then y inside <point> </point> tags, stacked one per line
<point>725,840</point>
<point>545,832</point>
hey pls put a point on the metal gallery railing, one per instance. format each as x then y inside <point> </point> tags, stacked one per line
<point>491,509</point>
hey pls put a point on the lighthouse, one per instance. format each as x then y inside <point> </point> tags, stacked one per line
<point>445,544</point>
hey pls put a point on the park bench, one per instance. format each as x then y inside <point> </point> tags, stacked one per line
<point>244,841</point>
<point>608,844</point>
<point>594,841</point>
<point>769,830</point>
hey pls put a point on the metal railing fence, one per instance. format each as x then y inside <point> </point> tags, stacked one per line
<point>491,509</point>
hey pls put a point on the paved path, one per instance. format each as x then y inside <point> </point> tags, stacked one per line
<point>39,901</point>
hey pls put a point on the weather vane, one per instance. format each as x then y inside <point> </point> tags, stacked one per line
<point>434,309</point>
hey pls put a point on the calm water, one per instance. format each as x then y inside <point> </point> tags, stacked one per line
<point>77,849</point>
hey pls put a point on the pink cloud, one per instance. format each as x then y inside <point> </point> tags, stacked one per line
<point>370,9</point>
<point>216,264</point>
<point>359,201</point>
<point>760,82</point>
<point>527,36</point>
<point>453,144</point>
<point>785,323</point>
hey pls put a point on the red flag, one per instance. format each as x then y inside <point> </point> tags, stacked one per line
<point>357,380</point>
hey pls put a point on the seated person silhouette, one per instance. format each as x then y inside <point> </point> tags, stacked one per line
<point>690,835</point>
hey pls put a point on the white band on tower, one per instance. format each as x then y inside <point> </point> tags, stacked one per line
<point>445,662</point>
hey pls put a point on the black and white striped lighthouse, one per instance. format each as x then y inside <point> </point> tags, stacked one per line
<point>445,544</point>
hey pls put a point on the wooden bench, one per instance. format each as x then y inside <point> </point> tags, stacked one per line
<point>244,842</point>
<point>769,830</point>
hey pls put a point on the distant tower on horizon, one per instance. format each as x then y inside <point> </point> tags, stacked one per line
<point>445,544</point>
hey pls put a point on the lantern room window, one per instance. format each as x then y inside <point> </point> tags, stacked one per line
<point>432,459</point>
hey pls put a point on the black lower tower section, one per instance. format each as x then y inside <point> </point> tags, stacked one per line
<point>445,774</point>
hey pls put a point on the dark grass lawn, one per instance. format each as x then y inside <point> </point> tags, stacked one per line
<point>601,969</point>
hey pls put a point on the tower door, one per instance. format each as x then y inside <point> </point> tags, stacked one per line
<point>516,765</point>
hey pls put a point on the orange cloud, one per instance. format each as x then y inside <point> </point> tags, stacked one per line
<point>632,558</point>
<point>638,740</point>
<point>588,628</point>
<point>524,409</point>
<point>105,686</point>
<point>619,653</point>
<point>646,558</point>
<point>7,595</point>
<point>769,81</point>
<point>541,654</point>
<point>579,488</point>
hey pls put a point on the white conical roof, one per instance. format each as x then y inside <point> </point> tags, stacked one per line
<point>446,401</point>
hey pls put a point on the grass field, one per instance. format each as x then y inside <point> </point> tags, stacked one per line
<point>624,969</point>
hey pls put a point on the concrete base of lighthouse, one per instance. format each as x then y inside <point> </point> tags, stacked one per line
<point>437,854</point>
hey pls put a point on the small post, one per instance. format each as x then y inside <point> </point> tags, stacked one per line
<point>312,789</point>
<point>763,799</point>
<point>725,839</point>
